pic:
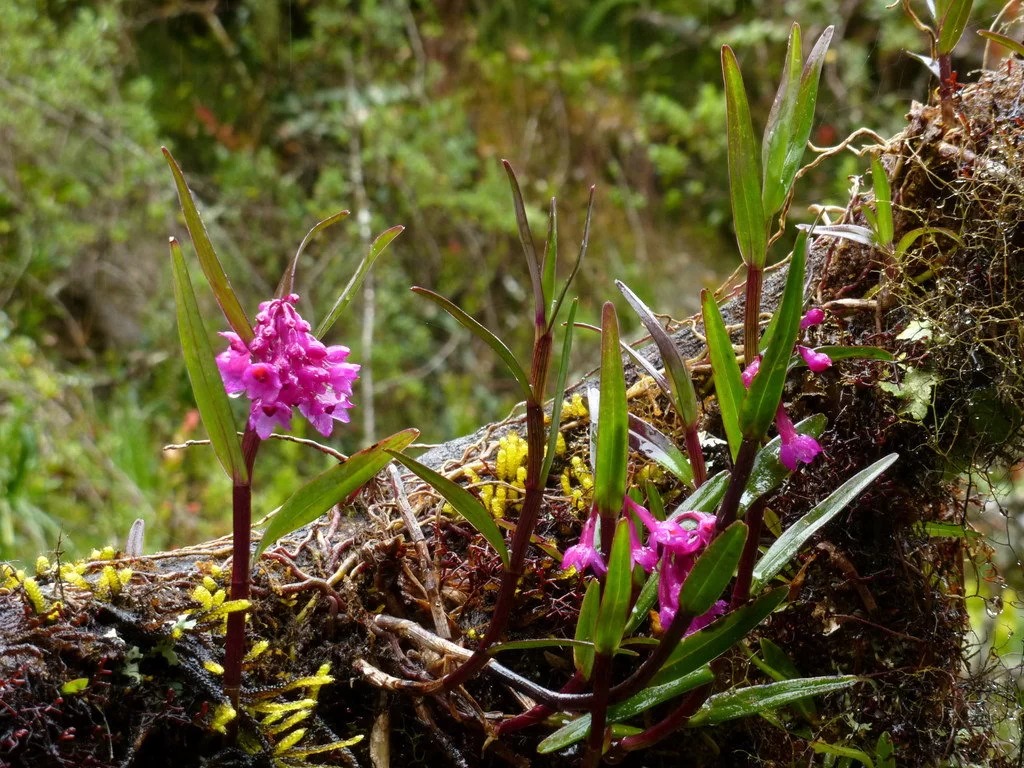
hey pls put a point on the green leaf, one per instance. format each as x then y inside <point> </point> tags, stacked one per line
<point>768,472</point>
<point>792,540</point>
<point>207,386</point>
<point>713,570</point>
<point>850,753</point>
<point>486,336</point>
<point>709,643</point>
<point>287,284</point>
<point>884,752</point>
<point>706,498</point>
<point>618,586</point>
<point>649,441</point>
<point>529,249</point>
<point>848,353</point>
<point>911,237</point>
<point>462,501</point>
<point>576,265</point>
<point>728,382</point>
<point>208,260</point>
<point>748,215</point>
<point>644,603</point>
<point>791,118</point>
<point>612,425</point>
<point>945,530</point>
<point>682,392</point>
<point>742,702</point>
<point>583,655</point>
<point>650,697</point>
<point>916,390</point>
<point>954,15</point>
<point>72,687</point>
<point>550,263</point>
<point>556,405</point>
<point>781,667</point>
<point>332,487</point>
<point>762,400</point>
<point>376,249</point>
<point>1014,46</point>
<point>883,204</point>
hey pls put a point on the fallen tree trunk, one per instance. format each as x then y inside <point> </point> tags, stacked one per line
<point>114,661</point>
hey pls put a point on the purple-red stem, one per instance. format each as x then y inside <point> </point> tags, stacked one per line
<point>745,570</point>
<point>752,314</point>
<point>695,452</point>
<point>600,678</point>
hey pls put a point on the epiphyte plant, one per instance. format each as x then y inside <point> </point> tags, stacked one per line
<point>279,364</point>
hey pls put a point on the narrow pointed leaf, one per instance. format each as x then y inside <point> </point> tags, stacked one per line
<point>287,284</point>
<point>994,39</point>
<point>748,215</point>
<point>332,487</point>
<point>583,655</point>
<point>484,335</point>
<point>852,232</point>
<point>562,376</point>
<point>768,472</point>
<point>847,353</point>
<point>781,667</point>
<point>728,383</point>
<point>911,237</point>
<point>612,424</point>
<point>706,498</point>
<point>793,538</point>
<point>743,702</point>
<point>883,204</point>
<point>778,129</point>
<point>713,570</point>
<point>708,644</point>
<point>529,249</point>
<point>850,753</point>
<point>207,386</point>
<point>954,21</point>
<point>618,584</point>
<point>643,605</point>
<point>649,441</point>
<point>683,395</point>
<point>550,265</point>
<point>766,389</point>
<point>382,241</point>
<point>462,501</point>
<point>576,265</point>
<point>208,260</point>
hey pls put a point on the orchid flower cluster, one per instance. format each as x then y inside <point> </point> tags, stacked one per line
<point>285,366</point>
<point>674,544</point>
<point>796,448</point>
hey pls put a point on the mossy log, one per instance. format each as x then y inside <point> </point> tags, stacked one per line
<point>115,661</point>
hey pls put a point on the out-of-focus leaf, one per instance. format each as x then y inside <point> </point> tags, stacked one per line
<point>683,395</point>
<point>333,486</point>
<point>576,266</point>
<point>728,383</point>
<point>852,232</point>
<point>781,667</point>
<point>656,446</point>
<point>709,643</point>
<point>911,237</point>
<point>954,16</point>
<point>883,204</point>
<point>583,655</point>
<point>850,753</point>
<point>713,570</point>
<point>995,39</point>
<point>208,260</point>
<point>486,336</point>
<point>793,538</point>
<point>577,729</point>
<point>207,386</point>
<point>884,752</point>
<point>618,585</point>
<point>748,215</point>
<point>462,501</point>
<point>742,702</point>
<point>556,405</point>
<point>529,249</point>
<point>768,472</point>
<point>549,266</point>
<point>945,530</point>
<point>765,392</point>
<point>376,249</point>
<point>287,283</point>
<point>613,421</point>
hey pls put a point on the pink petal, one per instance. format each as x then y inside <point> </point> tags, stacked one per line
<point>816,361</point>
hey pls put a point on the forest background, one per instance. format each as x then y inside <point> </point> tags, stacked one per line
<point>285,113</point>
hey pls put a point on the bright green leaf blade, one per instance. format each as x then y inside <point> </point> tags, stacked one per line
<point>550,264</point>
<point>793,538</point>
<point>287,284</point>
<point>1014,46</point>
<point>883,204</point>
<point>462,501</point>
<point>208,260</point>
<point>529,249</point>
<point>713,570</point>
<point>649,441</point>
<point>332,487</point>
<point>850,353</point>
<point>779,127</point>
<point>706,498</point>
<point>884,752</point>
<point>576,730</point>
<point>911,237</point>
<point>768,472</point>
<point>850,753</point>
<point>618,586</point>
<point>765,393</point>
<point>484,335</point>
<point>556,406</point>
<point>207,386</point>
<point>382,241</point>
<point>709,643</point>
<point>576,265</point>
<point>612,425</point>
<point>748,215</point>
<point>954,22</point>
<point>643,605</point>
<point>583,655</point>
<point>728,382</point>
<point>743,702</point>
<point>945,530</point>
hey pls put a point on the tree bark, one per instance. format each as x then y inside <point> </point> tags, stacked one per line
<point>114,661</point>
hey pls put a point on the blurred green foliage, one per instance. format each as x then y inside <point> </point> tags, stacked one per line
<point>282,113</point>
